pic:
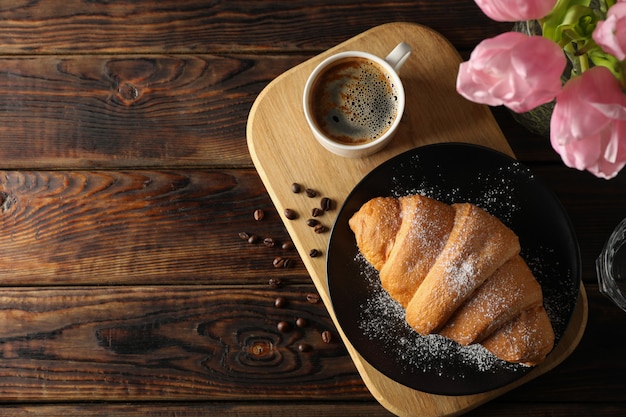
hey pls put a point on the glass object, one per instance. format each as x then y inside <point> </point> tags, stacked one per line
<point>611,266</point>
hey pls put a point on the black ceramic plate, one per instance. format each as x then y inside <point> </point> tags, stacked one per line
<point>452,172</point>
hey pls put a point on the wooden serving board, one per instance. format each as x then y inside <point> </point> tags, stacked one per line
<point>284,151</point>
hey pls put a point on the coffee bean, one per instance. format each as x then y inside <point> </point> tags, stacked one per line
<point>301,322</point>
<point>291,214</point>
<point>313,298</point>
<point>278,262</point>
<point>326,204</point>
<point>244,235</point>
<point>280,302</point>
<point>304,347</point>
<point>312,222</point>
<point>253,239</point>
<point>283,326</point>
<point>296,188</point>
<point>316,212</point>
<point>275,282</point>
<point>269,242</point>
<point>287,263</point>
<point>320,228</point>
<point>259,214</point>
<point>287,245</point>
<point>326,336</point>
<point>310,192</point>
<point>313,253</point>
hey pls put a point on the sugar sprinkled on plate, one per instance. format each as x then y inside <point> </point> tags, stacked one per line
<point>382,318</point>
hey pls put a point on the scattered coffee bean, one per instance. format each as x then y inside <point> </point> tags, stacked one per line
<point>287,245</point>
<point>312,222</point>
<point>326,204</point>
<point>314,253</point>
<point>275,282</point>
<point>320,228</point>
<point>244,235</point>
<point>253,239</point>
<point>301,322</point>
<point>296,188</point>
<point>278,262</point>
<point>287,263</point>
<point>283,326</point>
<point>291,214</point>
<point>316,212</point>
<point>304,347</point>
<point>313,298</point>
<point>259,214</point>
<point>326,336</point>
<point>280,302</point>
<point>310,192</point>
<point>269,242</point>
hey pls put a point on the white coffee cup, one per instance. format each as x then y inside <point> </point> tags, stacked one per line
<point>353,101</point>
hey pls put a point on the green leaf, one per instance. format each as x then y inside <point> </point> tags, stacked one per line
<point>569,20</point>
<point>601,58</point>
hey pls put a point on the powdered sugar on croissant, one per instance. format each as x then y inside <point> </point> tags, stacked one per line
<point>456,270</point>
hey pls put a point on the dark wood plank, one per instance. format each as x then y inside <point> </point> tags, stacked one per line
<point>168,343</point>
<point>44,210</point>
<point>134,227</point>
<point>571,408</point>
<point>141,111</point>
<point>200,26</point>
<point>305,409</point>
<point>168,227</point>
<point>86,111</point>
<point>92,111</point>
<point>339,408</point>
<point>210,342</point>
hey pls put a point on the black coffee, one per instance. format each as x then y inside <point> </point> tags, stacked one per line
<point>353,101</point>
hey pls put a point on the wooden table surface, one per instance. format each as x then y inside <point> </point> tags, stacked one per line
<point>126,181</point>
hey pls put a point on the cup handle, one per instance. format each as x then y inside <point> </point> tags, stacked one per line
<point>398,56</point>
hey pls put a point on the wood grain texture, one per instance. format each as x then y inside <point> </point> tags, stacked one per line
<point>303,409</point>
<point>134,111</point>
<point>223,343</point>
<point>134,227</point>
<point>185,343</point>
<point>150,227</point>
<point>201,26</point>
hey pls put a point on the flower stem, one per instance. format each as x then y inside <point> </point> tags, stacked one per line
<point>583,60</point>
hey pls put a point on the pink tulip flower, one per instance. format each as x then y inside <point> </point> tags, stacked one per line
<point>516,10</point>
<point>610,34</point>
<point>513,69</point>
<point>588,121</point>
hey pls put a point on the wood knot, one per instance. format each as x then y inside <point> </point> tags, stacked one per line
<point>128,93</point>
<point>5,202</point>
<point>261,350</point>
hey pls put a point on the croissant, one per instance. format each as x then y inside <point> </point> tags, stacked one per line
<point>457,271</point>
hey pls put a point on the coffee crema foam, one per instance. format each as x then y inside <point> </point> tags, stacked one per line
<point>353,101</point>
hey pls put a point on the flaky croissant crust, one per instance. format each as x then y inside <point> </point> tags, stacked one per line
<point>457,271</point>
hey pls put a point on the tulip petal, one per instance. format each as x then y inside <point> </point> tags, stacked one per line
<point>516,10</point>
<point>588,125</point>
<point>513,69</point>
